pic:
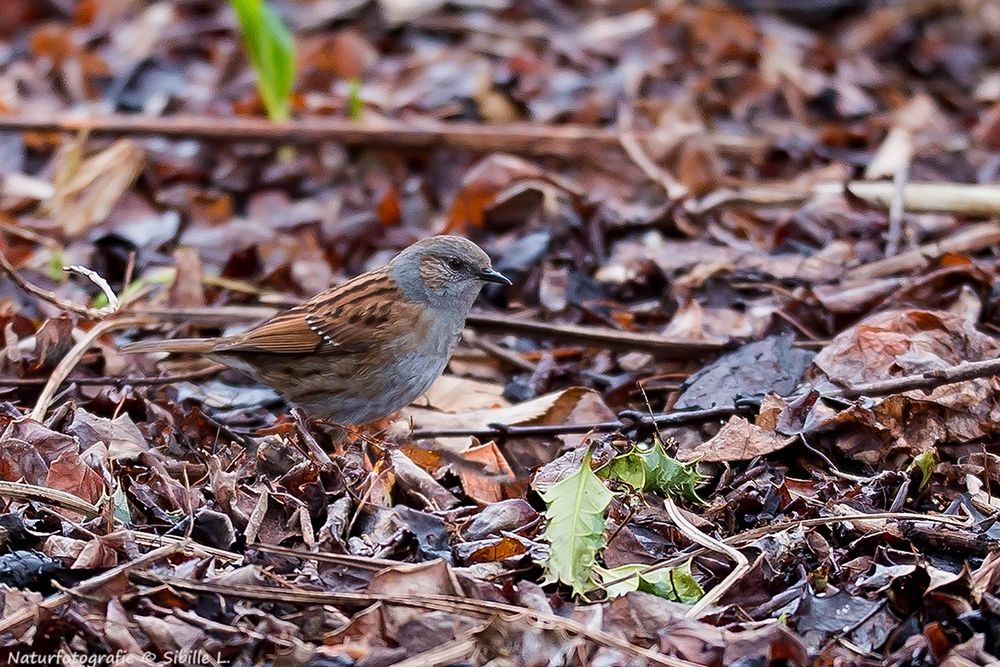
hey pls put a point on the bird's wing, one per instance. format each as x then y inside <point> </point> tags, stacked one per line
<point>350,318</point>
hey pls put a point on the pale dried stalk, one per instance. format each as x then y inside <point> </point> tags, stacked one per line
<point>897,207</point>
<point>447,603</point>
<point>976,200</point>
<point>978,237</point>
<point>153,540</point>
<point>700,538</point>
<point>49,496</point>
<point>113,303</point>
<point>633,148</point>
<point>72,358</point>
<point>756,533</point>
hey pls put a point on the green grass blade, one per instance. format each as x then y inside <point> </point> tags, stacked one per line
<point>271,50</point>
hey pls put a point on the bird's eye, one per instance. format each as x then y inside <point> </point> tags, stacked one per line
<point>454,263</point>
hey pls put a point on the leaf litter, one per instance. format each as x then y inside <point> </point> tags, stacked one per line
<point>768,215</point>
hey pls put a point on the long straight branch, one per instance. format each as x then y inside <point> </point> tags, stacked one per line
<point>630,419</point>
<point>528,139</point>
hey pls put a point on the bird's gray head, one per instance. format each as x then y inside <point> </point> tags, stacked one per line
<point>444,272</point>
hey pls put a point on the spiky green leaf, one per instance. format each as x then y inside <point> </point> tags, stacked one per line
<point>575,529</point>
<point>653,470</point>
<point>675,583</point>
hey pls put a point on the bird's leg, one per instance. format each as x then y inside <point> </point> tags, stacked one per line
<point>308,427</point>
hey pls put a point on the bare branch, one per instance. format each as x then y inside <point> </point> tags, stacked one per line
<point>521,138</point>
<point>630,419</point>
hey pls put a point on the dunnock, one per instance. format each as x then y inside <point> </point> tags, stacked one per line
<point>368,347</point>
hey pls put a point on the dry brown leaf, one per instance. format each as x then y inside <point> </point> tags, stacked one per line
<point>186,291</point>
<point>96,554</point>
<point>494,481</point>
<point>902,343</point>
<point>170,633</point>
<point>737,440</point>
<point>415,480</point>
<point>85,192</point>
<point>13,601</point>
<point>69,473</point>
<point>891,429</point>
<point>484,184</point>
<point>496,549</point>
<point>432,578</point>
<point>572,405</point>
<point>58,546</point>
<point>452,394</point>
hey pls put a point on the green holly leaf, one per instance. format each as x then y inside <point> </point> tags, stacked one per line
<point>575,530</point>
<point>653,470</point>
<point>675,583</point>
<point>628,468</point>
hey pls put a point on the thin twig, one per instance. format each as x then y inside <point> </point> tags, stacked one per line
<point>446,603</point>
<point>302,426</point>
<point>928,380</point>
<point>661,346</point>
<point>506,356</point>
<point>153,540</point>
<point>361,562</point>
<point>627,419</point>
<point>119,381</point>
<point>698,537</point>
<point>630,341</point>
<point>51,297</point>
<point>967,370</point>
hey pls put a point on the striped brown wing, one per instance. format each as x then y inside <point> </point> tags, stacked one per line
<point>346,319</point>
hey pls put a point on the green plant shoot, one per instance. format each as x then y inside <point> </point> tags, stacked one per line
<point>575,531</point>
<point>271,51</point>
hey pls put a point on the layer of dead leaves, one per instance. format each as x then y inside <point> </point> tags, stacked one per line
<point>346,562</point>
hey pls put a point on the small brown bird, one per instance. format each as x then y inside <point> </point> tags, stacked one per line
<point>368,347</point>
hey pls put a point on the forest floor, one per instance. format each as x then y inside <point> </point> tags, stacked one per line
<point>740,407</point>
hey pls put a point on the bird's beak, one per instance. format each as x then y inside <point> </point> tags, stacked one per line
<point>491,275</point>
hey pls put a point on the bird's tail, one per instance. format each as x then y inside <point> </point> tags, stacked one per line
<point>193,345</point>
